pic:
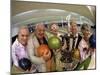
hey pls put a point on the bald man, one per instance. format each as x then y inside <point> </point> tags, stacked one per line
<point>19,50</point>
<point>35,40</point>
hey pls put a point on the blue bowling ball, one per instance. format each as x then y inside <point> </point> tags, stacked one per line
<point>25,64</point>
<point>92,41</point>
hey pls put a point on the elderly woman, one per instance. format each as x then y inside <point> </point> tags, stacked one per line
<point>54,31</point>
<point>84,44</point>
<point>86,51</point>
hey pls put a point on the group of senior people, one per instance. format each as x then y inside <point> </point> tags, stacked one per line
<point>26,44</point>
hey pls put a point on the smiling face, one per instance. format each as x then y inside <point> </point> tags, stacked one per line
<point>23,36</point>
<point>40,31</point>
<point>85,31</point>
<point>73,27</point>
<point>54,28</point>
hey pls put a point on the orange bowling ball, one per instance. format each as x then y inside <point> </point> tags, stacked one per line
<point>42,49</point>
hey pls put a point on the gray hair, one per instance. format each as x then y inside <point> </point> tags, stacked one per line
<point>52,24</point>
<point>85,26</point>
<point>22,27</point>
<point>39,25</point>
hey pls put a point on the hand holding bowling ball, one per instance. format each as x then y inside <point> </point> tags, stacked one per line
<point>44,51</point>
<point>47,56</point>
<point>54,42</point>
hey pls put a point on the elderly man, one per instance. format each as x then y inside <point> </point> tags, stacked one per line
<point>19,49</point>
<point>35,40</point>
<point>74,36</point>
<point>72,40</point>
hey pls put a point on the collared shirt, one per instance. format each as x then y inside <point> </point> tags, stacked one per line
<point>18,52</point>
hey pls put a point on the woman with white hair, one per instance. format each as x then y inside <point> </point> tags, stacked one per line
<point>84,44</point>
<point>84,47</point>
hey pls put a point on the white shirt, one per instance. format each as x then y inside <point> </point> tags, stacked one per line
<point>71,41</point>
<point>83,44</point>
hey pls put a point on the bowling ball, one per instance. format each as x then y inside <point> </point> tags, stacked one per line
<point>54,42</point>
<point>42,49</point>
<point>25,64</point>
<point>76,54</point>
<point>92,41</point>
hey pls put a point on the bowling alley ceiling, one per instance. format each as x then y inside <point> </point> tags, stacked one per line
<point>18,7</point>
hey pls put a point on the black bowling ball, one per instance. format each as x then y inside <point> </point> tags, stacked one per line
<point>25,64</point>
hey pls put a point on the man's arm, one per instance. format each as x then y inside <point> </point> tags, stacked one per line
<point>31,50</point>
